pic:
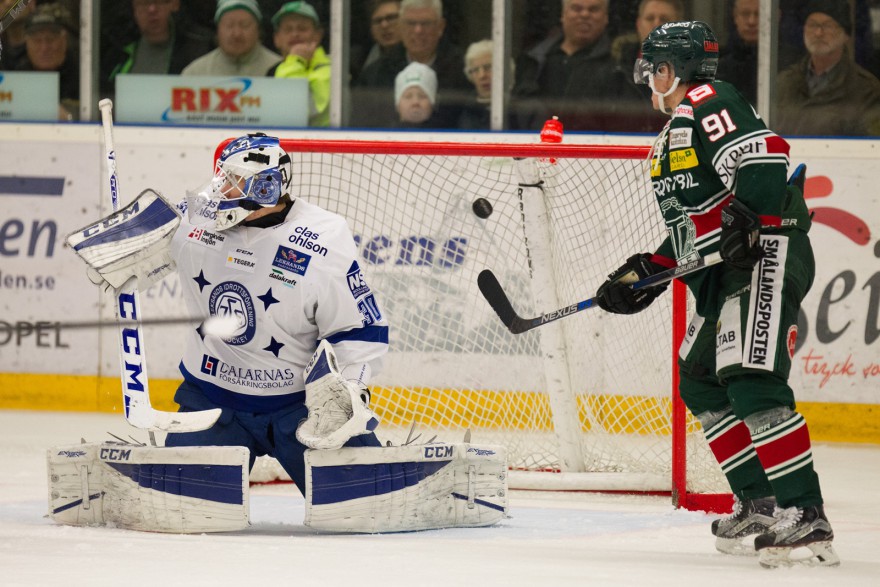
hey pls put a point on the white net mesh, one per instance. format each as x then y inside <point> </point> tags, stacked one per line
<point>452,365</point>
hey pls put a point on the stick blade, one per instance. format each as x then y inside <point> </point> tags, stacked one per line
<point>155,420</point>
<point>494,294</point>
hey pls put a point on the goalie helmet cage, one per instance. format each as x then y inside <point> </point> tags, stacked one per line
<point>585,403</point>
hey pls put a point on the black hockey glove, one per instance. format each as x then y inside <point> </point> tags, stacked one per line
<point>740,245</point>
<point>616,295</point>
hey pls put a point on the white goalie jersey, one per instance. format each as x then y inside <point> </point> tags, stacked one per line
<point>287,286</point>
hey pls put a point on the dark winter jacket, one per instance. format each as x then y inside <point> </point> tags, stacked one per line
<point>848,106</point>
<point>597,95</point>
<point>188,44</point>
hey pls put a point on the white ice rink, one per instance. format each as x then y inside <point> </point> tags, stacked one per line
<point>551,538</point>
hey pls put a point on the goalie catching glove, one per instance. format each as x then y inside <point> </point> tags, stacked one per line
<point>617,296</point>
<point>132,242</point>
<point>338,408</point>
<point>740,236</point>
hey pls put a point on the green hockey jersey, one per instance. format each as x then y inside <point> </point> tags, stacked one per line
<point>713,148</point>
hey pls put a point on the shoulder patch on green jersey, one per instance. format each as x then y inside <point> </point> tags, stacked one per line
<point>683,111</point>
<point>683,159</point>
<point>680,138</point>
<point>700,94</point>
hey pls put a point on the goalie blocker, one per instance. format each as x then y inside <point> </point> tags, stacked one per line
<point>405,488</point>
<point>179,490</point>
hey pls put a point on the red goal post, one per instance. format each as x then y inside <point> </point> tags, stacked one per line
<point>585,403</point>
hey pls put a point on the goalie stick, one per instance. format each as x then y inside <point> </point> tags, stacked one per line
<point>10,14</point>
<point>7,17</point>
<point>132,355</point>
<point>494,294</point>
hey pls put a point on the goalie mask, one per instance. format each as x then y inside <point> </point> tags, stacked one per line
<point>689,48</point>
<point>252,172</point>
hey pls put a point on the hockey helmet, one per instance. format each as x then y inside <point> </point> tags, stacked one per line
<point>690,47</point>
<point>252,172</point>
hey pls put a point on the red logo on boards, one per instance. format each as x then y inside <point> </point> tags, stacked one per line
<point>215,100</point>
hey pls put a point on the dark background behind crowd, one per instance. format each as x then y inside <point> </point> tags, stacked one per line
<point>591,90</point>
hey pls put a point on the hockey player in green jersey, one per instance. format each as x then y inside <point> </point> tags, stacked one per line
<point>719,177</point>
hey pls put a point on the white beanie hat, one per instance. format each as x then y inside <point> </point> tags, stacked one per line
<point>416,74</point>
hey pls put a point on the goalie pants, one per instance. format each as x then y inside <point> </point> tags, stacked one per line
<point>272,433</point>
<point>734,364</point>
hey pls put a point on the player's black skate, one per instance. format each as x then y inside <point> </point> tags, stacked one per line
<point>795,528</point>
<point>749,518</point>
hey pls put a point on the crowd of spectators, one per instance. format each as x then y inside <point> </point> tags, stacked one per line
<point>571,58</point>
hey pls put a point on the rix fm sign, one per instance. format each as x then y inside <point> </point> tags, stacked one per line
<point>220,102</point>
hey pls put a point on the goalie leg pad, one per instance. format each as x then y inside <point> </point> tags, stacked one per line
<point>398,489</point>
<point>176,490</point>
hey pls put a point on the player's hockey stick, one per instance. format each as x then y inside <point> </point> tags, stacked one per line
<point>494,294</point>
<point>132,353</point>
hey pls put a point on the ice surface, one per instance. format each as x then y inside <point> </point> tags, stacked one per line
<point>551,539</point>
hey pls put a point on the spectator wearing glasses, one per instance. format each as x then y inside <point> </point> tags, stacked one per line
<point>827,93</point>
<point>422,29</point>
<point>476,114</point>
<point>239,50</point>
<point>384,29</point>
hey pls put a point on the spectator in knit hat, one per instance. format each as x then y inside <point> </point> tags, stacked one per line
<point>298,35</point>
<point>239,50</point>
<point>424,40</point>
<point>50,45</point>
<point>415,95</point>
<point>827,93</point>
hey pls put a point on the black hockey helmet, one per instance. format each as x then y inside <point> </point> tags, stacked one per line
<point>690,47</point>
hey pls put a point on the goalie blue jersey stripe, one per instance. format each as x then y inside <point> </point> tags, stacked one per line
<point>219,483</point>
<point>367,334</point>
<point>345,482</point>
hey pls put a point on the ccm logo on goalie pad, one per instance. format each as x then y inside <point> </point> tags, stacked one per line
<point>115,454</point>
<point>438,452</point>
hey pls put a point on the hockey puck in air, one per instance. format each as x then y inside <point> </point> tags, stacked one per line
<point>482,207</point>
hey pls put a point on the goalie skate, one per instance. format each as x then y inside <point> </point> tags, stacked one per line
<point>797,528</point>
<point>749,518</point>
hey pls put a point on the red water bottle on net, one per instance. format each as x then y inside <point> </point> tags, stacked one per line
<point>552,133</point>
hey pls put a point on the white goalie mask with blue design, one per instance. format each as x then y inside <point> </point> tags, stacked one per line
<point>252,172</point>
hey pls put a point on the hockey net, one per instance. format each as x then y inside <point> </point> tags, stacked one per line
<point>582,403</point>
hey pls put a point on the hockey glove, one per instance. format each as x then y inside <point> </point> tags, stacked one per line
<point>338,408</point>
<point>618,297</point>
<point>740,236</point>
